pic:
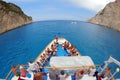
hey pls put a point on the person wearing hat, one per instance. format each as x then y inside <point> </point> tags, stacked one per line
<point>68,76</point>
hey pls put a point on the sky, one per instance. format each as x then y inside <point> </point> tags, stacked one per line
<point>81,10</point>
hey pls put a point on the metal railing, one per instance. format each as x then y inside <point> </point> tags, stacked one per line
<point>10,72</point>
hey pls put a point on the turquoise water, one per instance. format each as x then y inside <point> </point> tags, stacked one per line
<point>24,44</point>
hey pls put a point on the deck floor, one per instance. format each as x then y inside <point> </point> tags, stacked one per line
<point>61,52</point>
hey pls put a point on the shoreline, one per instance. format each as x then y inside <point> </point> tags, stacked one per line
<point>15,28</point>
<point>106,26</point>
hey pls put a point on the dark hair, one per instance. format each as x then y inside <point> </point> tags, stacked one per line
<point>108,68</point>
<point>96,73</point>
<point>62,72</point>
<point>82,72</point>
<point>30,61</point>
<point>13,66</point>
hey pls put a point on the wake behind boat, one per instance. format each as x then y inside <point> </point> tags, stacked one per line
<point>60,60</point>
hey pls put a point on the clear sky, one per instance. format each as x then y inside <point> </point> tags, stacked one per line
<point>60,9</point>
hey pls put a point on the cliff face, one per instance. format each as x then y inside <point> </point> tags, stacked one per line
<point>11,16</point>
<point>109,16</point>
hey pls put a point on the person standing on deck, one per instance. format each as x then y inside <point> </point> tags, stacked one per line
<point>52,74</point>
<point>23,72</point>
<point>62,75</point>
<point>14,70</point>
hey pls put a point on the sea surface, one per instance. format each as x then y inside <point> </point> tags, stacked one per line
<point>23,44</point>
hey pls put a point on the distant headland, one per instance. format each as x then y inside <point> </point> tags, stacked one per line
<point>109,16</point>
<point>11,17</point>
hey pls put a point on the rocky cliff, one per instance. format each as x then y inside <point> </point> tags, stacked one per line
<point>109,16</point>
<point>11,16</point>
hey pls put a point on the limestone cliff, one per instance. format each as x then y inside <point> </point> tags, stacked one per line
<point>109,16</point>
<point>11,16</point>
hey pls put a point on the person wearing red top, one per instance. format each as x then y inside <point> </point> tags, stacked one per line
<point>23,72</point>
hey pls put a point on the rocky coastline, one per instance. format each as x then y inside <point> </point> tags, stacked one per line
<point>11,17</point>
<point>109,16</point>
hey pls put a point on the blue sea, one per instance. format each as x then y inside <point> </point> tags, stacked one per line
<point>23,44</point>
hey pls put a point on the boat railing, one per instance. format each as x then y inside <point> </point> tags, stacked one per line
<point>57,68</point>
<point>49,67</point>
<point>44,50</point>
<point>68,67</point>
<point>111,60</point>
<point>10,72</point>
